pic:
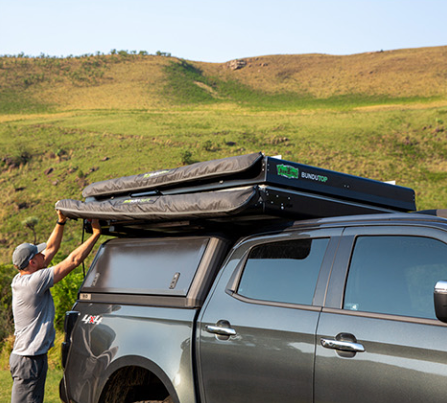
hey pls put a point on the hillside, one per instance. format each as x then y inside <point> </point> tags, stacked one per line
<point>126,81</point>
<point>68,122</point>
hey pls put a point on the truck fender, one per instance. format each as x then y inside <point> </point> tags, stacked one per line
<point>135,361</point>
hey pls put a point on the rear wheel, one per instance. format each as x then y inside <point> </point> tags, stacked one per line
<point>135,385</point>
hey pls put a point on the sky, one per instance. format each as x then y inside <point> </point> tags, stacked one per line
<point>218,31</point>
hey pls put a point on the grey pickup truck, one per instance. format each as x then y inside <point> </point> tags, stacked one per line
<point>283,300</point>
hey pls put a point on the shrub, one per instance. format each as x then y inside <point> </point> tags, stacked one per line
<point>64,295</point>
<point>7,273</point>
<point>65,292</point>
<point>208,145</point>
<point>187,157</point>
<point>164,54</point>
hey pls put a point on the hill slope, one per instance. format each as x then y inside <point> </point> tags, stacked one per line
<point>147,82</point>
<point>65,123</point>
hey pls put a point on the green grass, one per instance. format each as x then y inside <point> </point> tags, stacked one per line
<point>51,387</point>
<point>406,145</point>
<point>181,84</point>
<point>54,375</point>
<point>18,102</point>
<point>183,87</point>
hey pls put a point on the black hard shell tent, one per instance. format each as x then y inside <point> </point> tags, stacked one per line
<point>239,187</point>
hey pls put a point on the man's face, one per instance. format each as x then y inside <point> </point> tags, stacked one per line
<point>39,260</point>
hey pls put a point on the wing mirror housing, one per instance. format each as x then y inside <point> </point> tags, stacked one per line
<point>440,297</point>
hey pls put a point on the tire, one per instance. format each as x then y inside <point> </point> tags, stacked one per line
<point>167,400</point>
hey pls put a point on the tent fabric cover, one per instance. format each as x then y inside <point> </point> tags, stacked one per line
<point>168,207</point>
<point>152,180</point>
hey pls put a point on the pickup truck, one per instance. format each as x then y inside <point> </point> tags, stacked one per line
<point>335,309</point>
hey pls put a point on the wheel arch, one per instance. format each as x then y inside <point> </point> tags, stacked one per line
<point>146,372</point>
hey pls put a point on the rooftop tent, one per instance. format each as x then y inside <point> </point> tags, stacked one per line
<point>187,175</point>
<point>164,207</point>
<point>244,186</point>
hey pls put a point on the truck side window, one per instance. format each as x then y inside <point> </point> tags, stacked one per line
<point>395,275</point>
<point>284,271</point>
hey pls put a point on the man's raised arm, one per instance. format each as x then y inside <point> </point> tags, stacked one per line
<point>78,255</point>
<point>54,241</point>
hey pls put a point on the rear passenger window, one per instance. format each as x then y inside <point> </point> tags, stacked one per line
<point>284,272</point>
<point>395,275</point>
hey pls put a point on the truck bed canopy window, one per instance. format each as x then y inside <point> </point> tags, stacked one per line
<point>138,266</point>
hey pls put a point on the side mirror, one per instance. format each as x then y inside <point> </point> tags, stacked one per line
<point>440,297</point>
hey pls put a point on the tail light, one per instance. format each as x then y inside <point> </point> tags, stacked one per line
<point>70,320</point>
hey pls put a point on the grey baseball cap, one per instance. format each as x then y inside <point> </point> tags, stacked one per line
<point>25,252</point>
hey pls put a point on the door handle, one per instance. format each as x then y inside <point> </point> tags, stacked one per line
<point>222,331</point>
<point>343,345</point>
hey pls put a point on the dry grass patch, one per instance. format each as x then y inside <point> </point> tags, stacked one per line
<point>399,73</point>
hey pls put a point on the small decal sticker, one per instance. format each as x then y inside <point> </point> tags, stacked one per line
<point>153,174</point>
<point>95,280</point>
<point>288,171</point>
<point>92,319</point>
<point>314,177</point>
<point>139,201</point>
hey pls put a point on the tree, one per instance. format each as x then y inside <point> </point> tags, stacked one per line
<point>31,223</point>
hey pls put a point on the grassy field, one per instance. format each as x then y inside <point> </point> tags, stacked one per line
<point>57,154</point>
<point>51,386</point>
<point>54,376</point>
<point>65,123</point>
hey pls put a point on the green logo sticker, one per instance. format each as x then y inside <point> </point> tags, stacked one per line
<point>287,171</point>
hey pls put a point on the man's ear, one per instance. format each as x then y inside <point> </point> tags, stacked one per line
<point>31,263</point>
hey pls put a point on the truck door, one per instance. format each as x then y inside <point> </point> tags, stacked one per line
<point>380,341</point>
<point>256,333</point>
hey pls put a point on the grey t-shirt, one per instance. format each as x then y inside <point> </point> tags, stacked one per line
<point>33,310</point>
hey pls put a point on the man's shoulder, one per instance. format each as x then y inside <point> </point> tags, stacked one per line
<point>44,274</point>
<point>15,279</point>
<point>41,277</point>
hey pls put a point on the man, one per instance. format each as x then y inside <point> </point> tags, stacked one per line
<point>33,308</point>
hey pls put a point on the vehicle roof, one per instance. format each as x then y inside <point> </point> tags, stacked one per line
<point>422,218</point>
<point>237,230</point>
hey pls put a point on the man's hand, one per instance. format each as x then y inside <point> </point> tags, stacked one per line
<point>96,227</point>
<point>61,217</point>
